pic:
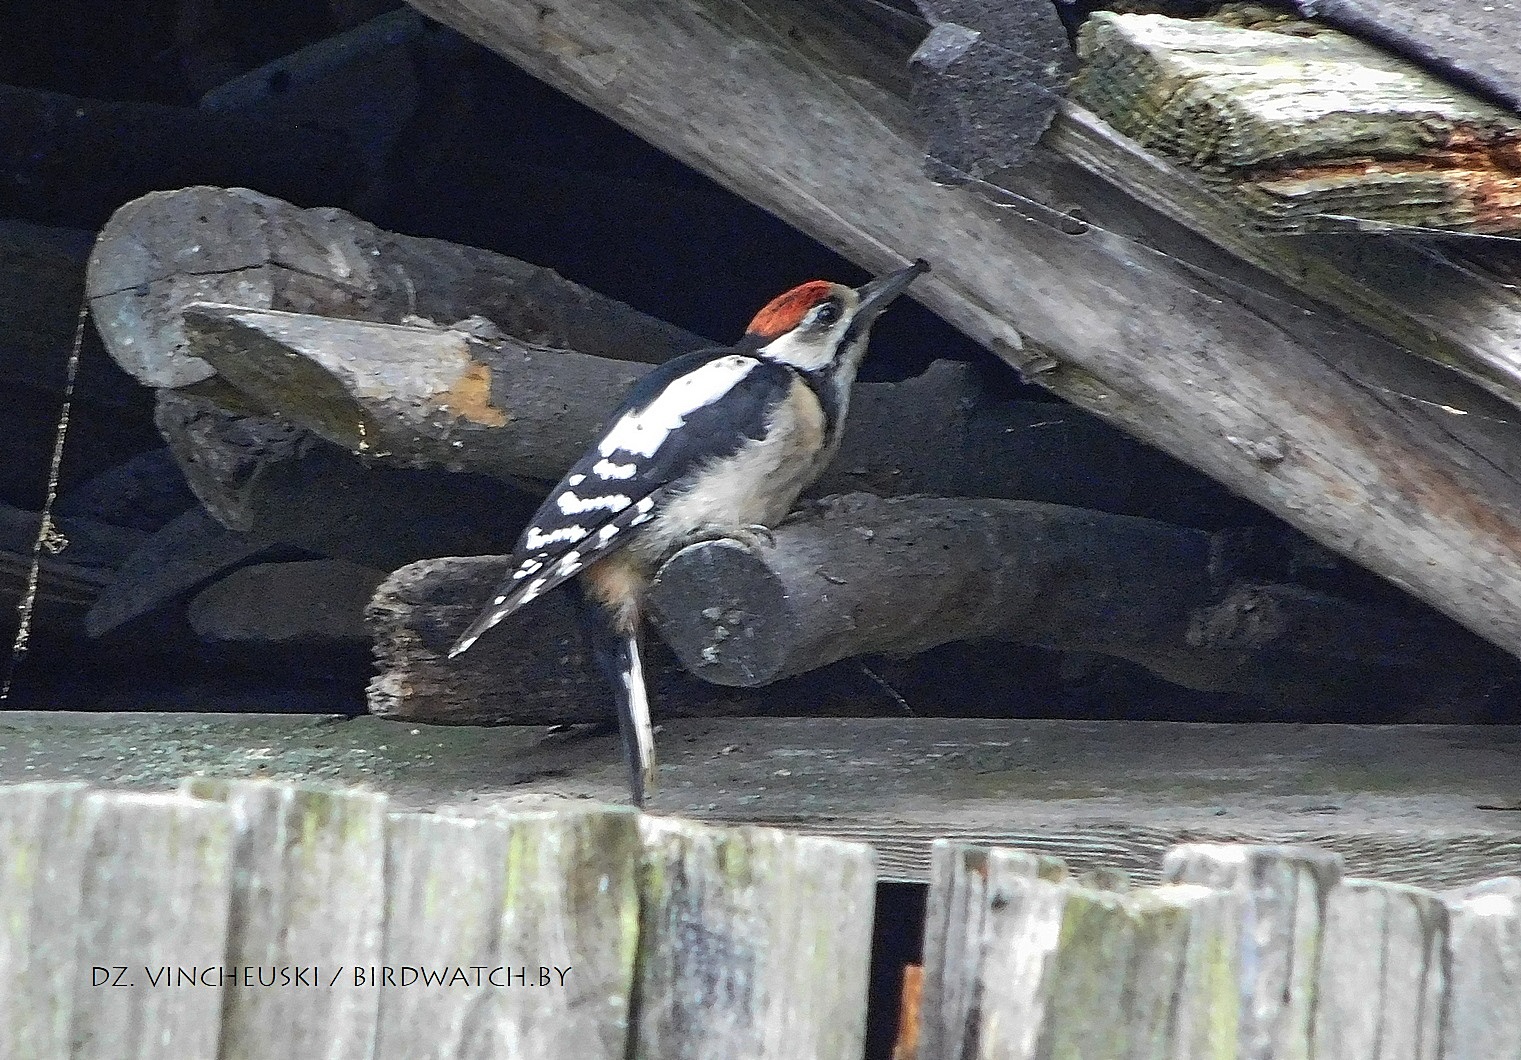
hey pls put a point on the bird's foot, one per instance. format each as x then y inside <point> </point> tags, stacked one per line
<point>750,537</point>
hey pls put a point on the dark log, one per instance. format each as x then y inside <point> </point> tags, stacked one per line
<point>73,161</point>
<point>861,574</point>
<point>418,396</point>
<point>277,482</point>
<point>144,492</point>
<point>363,81</point>
<point>310,605</point>
<point>76,562</point>
<point>177,560</point>
<point>1132,316</point>
<point>164,251</point>
<point>41,286</point>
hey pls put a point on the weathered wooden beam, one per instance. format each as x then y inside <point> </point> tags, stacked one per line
<point>1429,805</point>
<point>866,575</point>
<point>166,250</point>
<point>1218,365</point>
<point>1455,305</point>
<point>1302,122</point>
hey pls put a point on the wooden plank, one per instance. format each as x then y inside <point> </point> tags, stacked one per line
<point>1432,806</point>
<point>1219,366</point>
<point>1301,122</point>
<point>967,883</point>
<point>308,896</point>
<point>1382,978</point>
<point>44,833</point>
<point>1282,893</point>
<point>1483,1013</point>
<point>532,920</point>
<point>753,943</point>
<point>152,859</point>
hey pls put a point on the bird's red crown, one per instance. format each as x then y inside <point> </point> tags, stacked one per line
<point>786,311</point>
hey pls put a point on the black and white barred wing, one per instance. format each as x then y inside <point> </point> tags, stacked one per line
<point>683,415</point>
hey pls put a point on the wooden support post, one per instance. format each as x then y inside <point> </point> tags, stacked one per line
<point>45,835</point>
<point>1282,894</point>
<point>1483,1010</point>
<point>1383,974</point>
<point>151,860</point>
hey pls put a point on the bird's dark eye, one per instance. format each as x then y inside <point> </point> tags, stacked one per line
<point>827,313</point>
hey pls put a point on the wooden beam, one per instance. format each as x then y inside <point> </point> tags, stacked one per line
<point>1139,321</point>
<point>1427,805</point>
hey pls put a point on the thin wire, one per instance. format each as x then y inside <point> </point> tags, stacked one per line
<point>47,535</point>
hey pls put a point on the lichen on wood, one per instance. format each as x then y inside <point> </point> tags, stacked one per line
<point>1306,126</point>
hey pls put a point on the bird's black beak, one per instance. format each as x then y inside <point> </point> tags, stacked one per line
<point>876,295</point>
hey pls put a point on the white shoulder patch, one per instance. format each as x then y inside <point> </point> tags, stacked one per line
<point>645,430</point>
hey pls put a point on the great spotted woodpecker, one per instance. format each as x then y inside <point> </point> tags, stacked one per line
<point>713,444</point>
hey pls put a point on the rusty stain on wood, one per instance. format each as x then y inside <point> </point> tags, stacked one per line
<point>470,397</point>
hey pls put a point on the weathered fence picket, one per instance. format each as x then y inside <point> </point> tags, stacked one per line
<point>308,893</point>
<point>755,943</point>
<point>141,925</point>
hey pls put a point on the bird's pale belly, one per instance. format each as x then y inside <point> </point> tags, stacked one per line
<point>756,486</point>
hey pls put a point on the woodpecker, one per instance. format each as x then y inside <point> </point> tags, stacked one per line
<point>718,443</point>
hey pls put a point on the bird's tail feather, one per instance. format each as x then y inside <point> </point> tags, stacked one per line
<point>614,641</point>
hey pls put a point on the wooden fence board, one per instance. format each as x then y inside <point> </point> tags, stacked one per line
<point>1283,893</point>
<point>43,836</point>
<point>525,894</point>
<point>1483,1015</point>
<point>154,901</point>
<point>967,882</point>
<point>754,943</point>
<point>308,893</point>
<point>1382,973</point>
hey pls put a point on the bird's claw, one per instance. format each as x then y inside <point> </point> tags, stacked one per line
<point>750,538</point>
